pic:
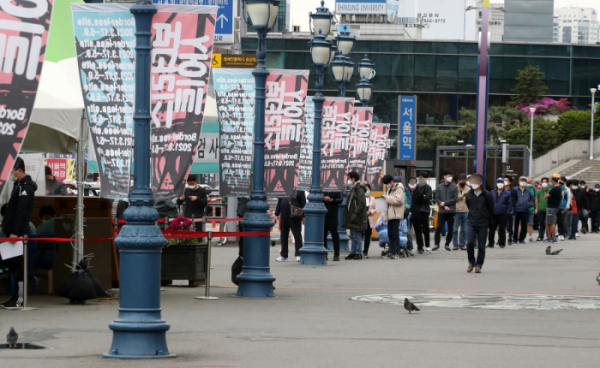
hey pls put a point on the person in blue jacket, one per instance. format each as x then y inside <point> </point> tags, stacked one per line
<point>523,199</point>
<point>502,205</point>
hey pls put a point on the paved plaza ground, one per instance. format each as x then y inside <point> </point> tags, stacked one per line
<point>314,323</point>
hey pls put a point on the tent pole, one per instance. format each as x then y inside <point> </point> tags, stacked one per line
<point>80,180</point>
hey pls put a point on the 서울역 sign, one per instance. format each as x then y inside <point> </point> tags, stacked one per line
<point>233,61</point>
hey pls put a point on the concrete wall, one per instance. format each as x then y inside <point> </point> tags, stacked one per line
<point>567,151</point>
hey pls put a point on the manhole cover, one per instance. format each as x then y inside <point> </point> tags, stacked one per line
<point>23,346</point>
<point>487,301</point>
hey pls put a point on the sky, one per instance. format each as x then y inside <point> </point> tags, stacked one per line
<point>300,8</point>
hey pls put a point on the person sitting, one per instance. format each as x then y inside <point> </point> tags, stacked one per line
<point>195,199</point>
<point>44,255</point>
<point>54,187</point>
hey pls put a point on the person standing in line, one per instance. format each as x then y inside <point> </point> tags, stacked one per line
<point>16,225</point>
<point>594,200</point>
<point>332,202</point>
<point>394,197</point>
<point>582,207</point>
<point>481,207</point>
<point>562,213</point>
<point>569,208</point>
<point>283,214</point>
<point>54,187</point>
<point>530,220</point>
<point>541,204</point>
<point>417,197</point>
<point>355,215</point>
<point>523,199</point>
<point>462,213</point>
<point>510,218</point>
<point>371,210</point>
<point>502,202</point>
<point>585,215</point>
<point>195,199</point>
<point>554,198</point>
<point>446,196</point>
<point>408,215</point>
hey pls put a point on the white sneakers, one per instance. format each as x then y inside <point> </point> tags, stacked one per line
<point>427,250</point>
<point>531,239</point>
<point>561,238</point>
<point>281,259</point>
<point>298,259</point>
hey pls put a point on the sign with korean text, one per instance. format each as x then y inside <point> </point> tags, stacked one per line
<point>407,127</point>
<point>208,145</point>
<point>377,149</point>
<point>360,140</point>
<point>182,45</point>
<point>105,46</point>
<point>336,129</point>
<point>60,168</point>
<point>306,152</point>
<point>233,61</point>
<point>23,37</point>
<point>284,117</point>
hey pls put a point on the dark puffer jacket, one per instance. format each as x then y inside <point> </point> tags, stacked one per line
<point>355,214</point>
<point>20,206</point>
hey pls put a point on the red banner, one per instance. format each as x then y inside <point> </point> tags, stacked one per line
<point>378,146</point>
<point>23,37</point>
<point>59,168</point>
<point>360,140</point>
<point>336,129</point>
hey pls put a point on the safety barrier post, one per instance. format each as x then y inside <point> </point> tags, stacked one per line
<point>208,261</point>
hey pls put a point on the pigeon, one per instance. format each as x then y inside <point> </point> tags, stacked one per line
<point>410,306</point>
<point>12,338</point>
<point>548,250</point>
<point>556,252</point>
<point>598,279</point>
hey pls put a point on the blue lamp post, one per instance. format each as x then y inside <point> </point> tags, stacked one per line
<point>139,331</point>
<point>314,252</point>
<point>364,88</point>
<point>256,280</point>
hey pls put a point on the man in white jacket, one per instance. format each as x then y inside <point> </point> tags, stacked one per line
<point>394,197</point>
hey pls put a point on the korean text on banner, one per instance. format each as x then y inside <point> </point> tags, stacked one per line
<point>335,143</point>
<point>182,45</point>
<point>377,149</point>
<point>407,140</point>
<point>59,167</point>
<point>23,37</point>
<point>235,93</point>
<point>306,152</point>
<point>360,139</point>
<point>105,44</point>
<point>284,116</point>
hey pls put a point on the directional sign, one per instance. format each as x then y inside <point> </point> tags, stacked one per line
<point>225,16</point>
<point>233,61</point>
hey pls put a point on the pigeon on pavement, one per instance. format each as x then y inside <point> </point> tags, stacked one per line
<point>12,338</point>
<point>556,252</point>
<point>548,250</point>
<point>410,306</point>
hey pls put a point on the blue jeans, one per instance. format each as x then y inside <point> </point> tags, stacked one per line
<point>575,224</point>
<point>394,236</point>
<point>460,221</point>
<point>357,239</point>
<point>477,236</point>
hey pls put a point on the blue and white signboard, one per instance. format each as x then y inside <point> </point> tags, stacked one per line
<point>225,16</point>
<point>407,143</point>
<point>360,7</point>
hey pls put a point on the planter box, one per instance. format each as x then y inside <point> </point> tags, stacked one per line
<point>184,262</point>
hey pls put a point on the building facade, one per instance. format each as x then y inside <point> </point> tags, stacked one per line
<point>528,20</point>
<point>576,25</point>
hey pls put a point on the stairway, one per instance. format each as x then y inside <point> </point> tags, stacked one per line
<point>588,170</point>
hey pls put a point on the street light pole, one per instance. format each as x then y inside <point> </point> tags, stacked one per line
<point>139,331</point>
<point>593,90</point>
<point>364,89</point>
<point>532,110</point>
<point>256,280</point>
<point>314,252</point>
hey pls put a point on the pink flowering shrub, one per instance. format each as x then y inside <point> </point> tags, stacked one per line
<point>547,106</point>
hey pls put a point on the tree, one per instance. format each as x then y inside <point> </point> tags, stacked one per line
<point>530,86</point>
<point>576,125</point>
<point>546,136</point>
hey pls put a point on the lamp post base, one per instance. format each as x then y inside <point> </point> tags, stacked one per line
<point>313,253</point>
<point>138,345</point>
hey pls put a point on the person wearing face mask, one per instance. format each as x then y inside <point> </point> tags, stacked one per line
<point>446,196</point>
<point>371,210</point>
<point>412,183</point>
<point>70,187</point>
<point>594,201</point>
<point>332,202</point>
<point>530,220</point>
<point>394,214</point>
<point>481,207</point>
<point>420,209</point>
<point>562,213</point>
<point>584,216</point>
<point>16,224</point>
<point>581,204</point>
<point>462,212</point>
<point>570,209</point>
<point>54,187</point>
<point>283,215</point>
<point>195,199</point>
<point>523,200</point>
<point>541,204</point>
<point>511,213</point>
<point>502,201</point>
<point>355,216</point>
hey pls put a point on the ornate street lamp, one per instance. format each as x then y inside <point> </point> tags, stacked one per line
<point>364,88</point>
<point>314,252</point>
<point>345,42</point>
<point>256,280</point>
<point>340,70</point>
<point>139,332</point>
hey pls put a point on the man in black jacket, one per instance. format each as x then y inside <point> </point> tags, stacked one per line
<point>420,209</point>
<point>195,199</point>
<point>481,208</point>
<point>332,203</point>
<point>283,212</point>
<point>16,224</point>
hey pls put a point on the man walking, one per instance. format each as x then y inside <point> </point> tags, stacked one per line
<point>523,200</point>
<point>394,198</point>
<point>332,203</point>
<point>16,225</point>
<point>541,204</point>
<point>554,198</point>
<point>355,216</point>
<point>421,195</point>
<point>481,208</point>
<point>446,196</point>
<point>283,211</point>
<point>502,202</point>
<point>462,212</point>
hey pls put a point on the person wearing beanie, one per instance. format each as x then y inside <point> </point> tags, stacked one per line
<point>54,187</point>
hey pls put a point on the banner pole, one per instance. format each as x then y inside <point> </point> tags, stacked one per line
<point>25,276</point>
<point>208,262</point>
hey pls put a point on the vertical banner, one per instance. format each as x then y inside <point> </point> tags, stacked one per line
<point>360,139</point>
<point>284,116</point>
<point>377,149</point>
<point>105,45</point>
<point>306,152</point>
<point>182,46</point>
<point>335,141</point>
<point>23,37</point>
<point>407,111</point>
<point>234,89</point>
